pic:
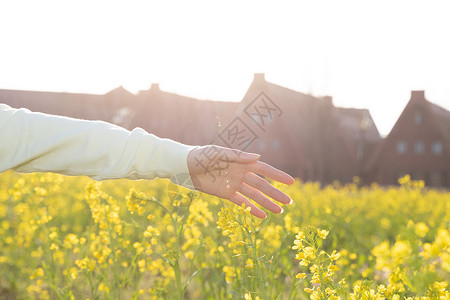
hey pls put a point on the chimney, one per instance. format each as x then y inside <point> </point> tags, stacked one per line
<point>154,87</point>
<point>259,78</point>
<point>417,95</point>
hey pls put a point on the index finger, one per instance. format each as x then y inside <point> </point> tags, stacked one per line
<point>268,171</point>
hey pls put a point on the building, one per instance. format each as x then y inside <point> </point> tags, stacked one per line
<point>85,106</point>
<point>418,145</point>
<point>184,119</point>
<point>307,137</point>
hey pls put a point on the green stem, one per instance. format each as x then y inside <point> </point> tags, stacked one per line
<point>294,288</point>
<point>162,206</point>
<point>112,246</point>
<point>185,216</point>
<point>258,269</point>
<point>322,284</point>
<point>91,285</point>
<point>176,268</point>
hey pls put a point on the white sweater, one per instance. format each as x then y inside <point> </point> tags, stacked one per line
<point>37,142</point>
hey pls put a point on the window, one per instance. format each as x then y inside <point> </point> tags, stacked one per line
<point>262,145</point>
<point>401,147</point>
<point>437,148</point>
<point>275,144</point>
<point>419,148</point>
<point>418,118</point>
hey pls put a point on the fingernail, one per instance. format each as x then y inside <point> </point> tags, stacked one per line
<point>282,210</point>
<point>253,155</point>
<point>291,201</point>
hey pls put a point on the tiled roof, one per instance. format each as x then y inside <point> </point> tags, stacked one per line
<point>357,124</point>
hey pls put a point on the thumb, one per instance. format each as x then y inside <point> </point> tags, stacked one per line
<point>236,155</point>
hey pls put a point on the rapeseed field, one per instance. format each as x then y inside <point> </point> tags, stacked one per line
<point>74,238</point>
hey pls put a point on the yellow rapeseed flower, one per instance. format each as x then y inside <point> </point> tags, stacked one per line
<point>421,229</point>
<point>322,233</point>
<point>249,264</point>
<point>401,249</point>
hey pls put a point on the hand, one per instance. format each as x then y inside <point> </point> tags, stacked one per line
<point>232,174</point>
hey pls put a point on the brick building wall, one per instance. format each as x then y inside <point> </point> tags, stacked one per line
<point>417,145</point>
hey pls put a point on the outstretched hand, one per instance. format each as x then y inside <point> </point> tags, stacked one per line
<point>232,174</point>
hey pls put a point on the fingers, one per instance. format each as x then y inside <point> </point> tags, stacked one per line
<point>241,170</point>
<point>259,198</point>
<point>238,199</point>
<point>270,172</point>
<point>265,187</point>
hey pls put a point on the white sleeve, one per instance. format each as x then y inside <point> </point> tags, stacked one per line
<point>36,142</point>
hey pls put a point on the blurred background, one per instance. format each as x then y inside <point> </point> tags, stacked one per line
<point>325,90</point>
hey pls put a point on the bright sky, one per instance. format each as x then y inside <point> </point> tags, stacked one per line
<point>365,54</point>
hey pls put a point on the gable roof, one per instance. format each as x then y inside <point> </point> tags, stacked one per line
<point>191,120</point>
<point>300,111</point>
<point>67,104</point>
<point>439,116</point>
<point>118,97</point>
<point>308,121</point>
<point>357,124</point>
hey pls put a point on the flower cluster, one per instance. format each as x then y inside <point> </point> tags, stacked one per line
<point>72,238</point>
<point>321,265</point>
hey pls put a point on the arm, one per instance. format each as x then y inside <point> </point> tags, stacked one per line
<point>35,142</point>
